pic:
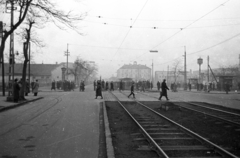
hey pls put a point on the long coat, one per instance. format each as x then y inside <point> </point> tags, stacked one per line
<point>164,89</point>
<point>35,87</point>
<point>99,90</point>
<point>16,89</point>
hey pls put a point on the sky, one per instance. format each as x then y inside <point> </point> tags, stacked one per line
<point>121,32</point>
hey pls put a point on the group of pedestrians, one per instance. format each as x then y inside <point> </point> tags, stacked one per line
<point>104,85</point>
<point>18,85</point>
<point>163,86</point>
<point>99,86</point>
<point>64,85</point>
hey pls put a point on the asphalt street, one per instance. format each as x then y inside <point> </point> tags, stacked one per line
<point>62,125</point>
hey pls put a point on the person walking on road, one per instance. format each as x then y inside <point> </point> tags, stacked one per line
<point>99,90</point>
<point>132,91</point>
<point>158,85</point>
<point>53,85</point>
<point>111,86</point>
<point>35,88</point>
<point>16,89</point>
<point>164,90</point>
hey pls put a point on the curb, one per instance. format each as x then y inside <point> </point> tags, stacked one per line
<point>109,145</point>
<point>19,104</point>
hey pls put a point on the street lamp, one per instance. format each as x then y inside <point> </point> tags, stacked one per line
<point>153,51</point>
<point>199,61</point>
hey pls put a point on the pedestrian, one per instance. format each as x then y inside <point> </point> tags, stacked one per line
<point>111,86</point>
<point>99,90</point>
<point>151,84</point>
<point>27,87</point>
<point>35,88</point>
<point>53,85</point>
<point>158,85</point>
<point>189,86</point>
<point>227,87</point>
<point>16,89</point>
<point>121,86</point>
<point>106,85</point>
<point>164,90</point>
<point>132,91</point>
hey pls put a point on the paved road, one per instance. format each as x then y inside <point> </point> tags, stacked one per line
<point>62,125</point>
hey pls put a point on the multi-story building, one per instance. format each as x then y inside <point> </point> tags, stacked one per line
<point>135,71</point>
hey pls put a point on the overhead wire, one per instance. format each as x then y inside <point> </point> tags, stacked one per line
<point>191,24</point>
<point>204,48</point>
<point>103,17</point>
<point>130,29</point>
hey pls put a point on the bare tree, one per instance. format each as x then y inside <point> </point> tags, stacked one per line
<point>44,10</point>
<point>78,69</point>
<point>176,69</point>
<point>83,70</point>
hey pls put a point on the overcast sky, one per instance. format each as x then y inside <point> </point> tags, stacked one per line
<point>121,32</point>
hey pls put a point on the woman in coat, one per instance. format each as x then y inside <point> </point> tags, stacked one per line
<point>99,90</point>
<point>35,88</point>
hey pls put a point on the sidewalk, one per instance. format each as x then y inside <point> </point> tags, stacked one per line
<point>4,105</point>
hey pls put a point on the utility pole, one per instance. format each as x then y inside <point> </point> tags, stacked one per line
<point>152,71</point>
<point>185,69</point>
<point>11,53</point>
<point>167,72</point>
<point>67,54</point>
<point>208,69</point>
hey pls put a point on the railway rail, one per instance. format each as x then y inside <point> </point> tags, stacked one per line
<point>168,138</point>
<point>223,115</point>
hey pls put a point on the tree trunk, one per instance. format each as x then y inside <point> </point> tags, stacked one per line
<point>24,70</point>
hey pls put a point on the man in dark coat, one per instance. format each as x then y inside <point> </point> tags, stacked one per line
<point>164,90</point>
<point>227,87</point>
<point>106,85</point>
<point>121,86</point>
<point>132,91</point>
<point>111,86</point>
<point>16,89</point>
<point>99,90</point>
<point>53,85</point>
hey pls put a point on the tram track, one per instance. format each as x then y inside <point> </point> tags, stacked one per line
<point>35,111</point>
<point>168,138</point>
<point>230,118</point>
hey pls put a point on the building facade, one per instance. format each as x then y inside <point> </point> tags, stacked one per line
<point>135,71</point>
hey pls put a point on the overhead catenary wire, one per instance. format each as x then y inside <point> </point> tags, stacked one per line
<point>190,24</point>
<point>130,29</point>
<point>226,40</point>
<point>158,27</point>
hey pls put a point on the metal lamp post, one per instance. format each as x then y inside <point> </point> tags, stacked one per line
<point>199,61</point>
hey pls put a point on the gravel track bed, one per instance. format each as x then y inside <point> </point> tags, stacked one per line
<point>122,128</point>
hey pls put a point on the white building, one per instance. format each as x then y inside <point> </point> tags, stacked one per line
<point>135,71</point>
